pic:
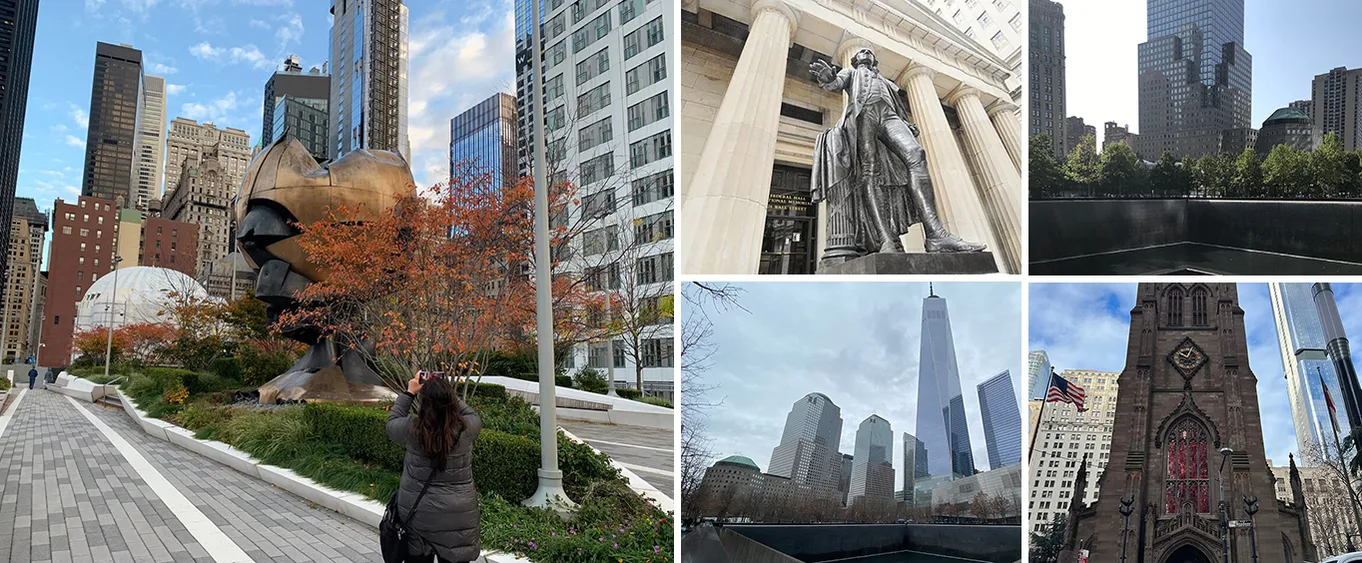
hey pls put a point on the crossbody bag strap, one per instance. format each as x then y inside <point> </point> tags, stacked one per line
<point>418,498</point>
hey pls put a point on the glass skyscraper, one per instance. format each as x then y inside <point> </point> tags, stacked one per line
<point>1002,420</point>
<point>941,422</point>
<point>482,140</point>
<point>808,452</point>
<point>1300,334</point>
<point>1037,373</point>
<point>872,471</point>
<point>368,107</point>
<point>1195,81</point>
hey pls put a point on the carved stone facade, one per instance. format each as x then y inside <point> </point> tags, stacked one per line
<point>1187,392</point>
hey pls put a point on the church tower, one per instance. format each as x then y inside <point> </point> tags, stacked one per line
<point>1187,404</point>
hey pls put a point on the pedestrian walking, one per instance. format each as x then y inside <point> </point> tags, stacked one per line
<point>32,376</point>
<point>434,516</point>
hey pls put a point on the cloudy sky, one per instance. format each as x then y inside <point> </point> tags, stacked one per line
<point>1289,41</point>
<point>217,54</point>
<point>857,343</point>
<point>1086,326</point>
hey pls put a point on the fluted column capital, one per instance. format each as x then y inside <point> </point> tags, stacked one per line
<point>1001,106</point>
<point>779,7</point>
<point>848,47</point>
<point>961,92</point>
<point>915,69</point>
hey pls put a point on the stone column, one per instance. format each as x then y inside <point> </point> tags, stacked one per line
<point>1005,121</point>
<point>724,209</point>
<point>956,199</point>
<point>999,180</point>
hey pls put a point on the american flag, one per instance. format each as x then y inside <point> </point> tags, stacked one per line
<point>1328,401</point>
<point>1061,391</point>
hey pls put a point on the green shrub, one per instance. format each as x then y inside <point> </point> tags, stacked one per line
<point>260,365</point>
<point>274,436</point>
<point>511,415</point>
<point>582,466</point>
<point>487,390</point>
<point>588,379</point>
<point>562,380</point>
<point>196,416</point>
<point>4,383</point>
<point>506,465</point>
<point>359,432</point>
<point>627,393</point>
<point>657,401</point>
<point>518,365</point>
<point>227,368</point>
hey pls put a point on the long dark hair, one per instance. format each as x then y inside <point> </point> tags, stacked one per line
<point>438,422</point>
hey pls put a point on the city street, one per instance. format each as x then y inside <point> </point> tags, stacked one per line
<point>645,451</point>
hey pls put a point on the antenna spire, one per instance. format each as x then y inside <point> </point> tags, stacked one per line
<point>930,292</point>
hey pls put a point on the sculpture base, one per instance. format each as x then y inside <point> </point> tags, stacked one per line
<point>324,385</point>
<point>915,263</point>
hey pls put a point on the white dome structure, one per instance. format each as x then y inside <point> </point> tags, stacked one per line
<point>143,294</point>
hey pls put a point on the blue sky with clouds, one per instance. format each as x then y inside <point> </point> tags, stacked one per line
<point>1086,326</point>
<point>217,54</point>
<point>857,343</point>
<point>1290,43</point>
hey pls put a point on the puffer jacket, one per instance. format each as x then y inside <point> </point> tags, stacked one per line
<point>446,521</point>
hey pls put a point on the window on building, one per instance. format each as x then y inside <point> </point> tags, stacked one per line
<point>1199,307</point>
<point>646,74</point>
<point>1188,469</point>
<point>654,269</point>
<point>652,188</point>
<point>654,227</point>
<point>653,148</point>
<point>657,353</point>
<point>597,169</point>
<point>1175,307</point>
<point>594,134</point>
<point>648,111</point>
<point>600,241</point>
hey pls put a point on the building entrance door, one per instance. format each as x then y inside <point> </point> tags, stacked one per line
<point>1187,554</point>
<point>789,243</point>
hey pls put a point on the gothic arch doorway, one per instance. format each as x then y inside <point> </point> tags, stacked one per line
<point>1187,554</point>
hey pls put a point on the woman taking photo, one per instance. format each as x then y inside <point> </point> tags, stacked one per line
<point>444,526</point>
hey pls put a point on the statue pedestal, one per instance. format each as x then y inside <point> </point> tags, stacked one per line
<point>916,263</point>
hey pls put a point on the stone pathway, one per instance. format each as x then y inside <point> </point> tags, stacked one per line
<point>69,494</point>
<point>648,452</point>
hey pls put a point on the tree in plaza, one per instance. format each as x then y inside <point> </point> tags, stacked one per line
<point>641,304</point>
<point>1213,173</point>
<point>1046,178</point>
<point>146,342</point>
<point>1120,171</point>
<point>435,282</point>
<point>1286,172</point>
<point>981,506</point>
<point>1082,167</point>
<point>91,343</point>
<point>1187,177</point>
<point>1248,175</point>
<point>1328,169</point>
<point>1048,542</point>
<point>697,347</point>
<point>1164,179</point>
<point>1334,505</point>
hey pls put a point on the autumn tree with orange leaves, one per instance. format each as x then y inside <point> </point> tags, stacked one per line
<point>141,343</point>
<point>438,282</point>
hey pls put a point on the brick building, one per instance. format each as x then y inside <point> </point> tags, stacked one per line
<point>83,247</point>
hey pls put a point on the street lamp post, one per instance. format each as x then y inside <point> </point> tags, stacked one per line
<point>1224,515</point>
<point>1126,510</point>
<point>4,328</point>
<point>1251,507</point>
<point>550,493</point>
<point>108,347</point>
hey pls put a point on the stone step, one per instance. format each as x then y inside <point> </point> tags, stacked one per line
<point>112,400</point>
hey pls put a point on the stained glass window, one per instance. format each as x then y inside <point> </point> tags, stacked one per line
<point>1188,469</point>
<point>1175,307</point>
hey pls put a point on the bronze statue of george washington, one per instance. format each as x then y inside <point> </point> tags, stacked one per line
<point>871,169</point>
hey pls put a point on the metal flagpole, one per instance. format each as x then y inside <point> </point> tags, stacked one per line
<point>1352,495</point>
<point>108,347</point>
<point>550,493</point>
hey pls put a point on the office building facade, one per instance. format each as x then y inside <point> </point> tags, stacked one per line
<point>1002,420</point>
<point>482,140</point>
<point>299,105</point>
<point>26,235</point>
<point>18,22</point>
<point>1062,437</point>
<point>872,466</point>
<point>84,237</point>
<point>1195,78</point>
<point>1037,373</point>
<point>1336,103</point>
<point>608,70</point>
<point>1074,132</point>
<point>202,197</point>
<point>151,142</point>
<point>368,106</point>
<point>1288,126</point>
<point>941,423</point>
<point>186,145</point>
<point>1048,100</point>
<point>1113,133</point>
<point>995,24</point>
<point>808,453</point>
<point>111,139</point>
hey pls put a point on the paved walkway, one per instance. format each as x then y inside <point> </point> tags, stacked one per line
<point>648,452</point>
<point>71,491</point>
